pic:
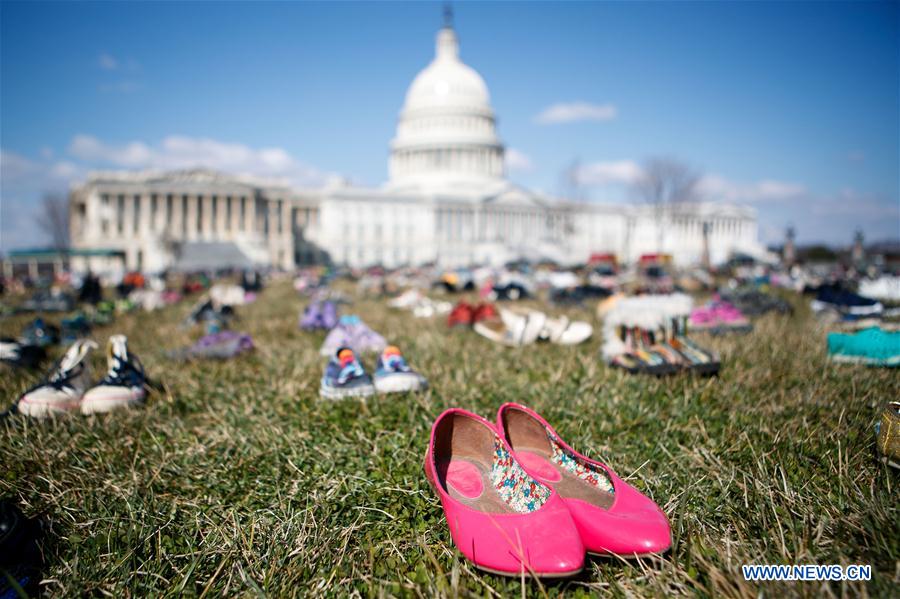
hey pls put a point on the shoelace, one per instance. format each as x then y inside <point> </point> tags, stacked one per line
<point>396,364</point>
<point>125,372</point>
<point>57,378</point>
<point>350,371</point>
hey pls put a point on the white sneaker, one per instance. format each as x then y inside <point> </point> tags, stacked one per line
<point>62,390</point>
<point>566,332</point>
<point>124,384</point>
<point>513,329</point>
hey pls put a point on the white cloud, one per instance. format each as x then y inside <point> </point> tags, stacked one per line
<point>19,172</point>
<point>15,167</point>
<point>849,202</point>
<point>518,161</point>
<point>715,187</point>
<point>605,173</point>
<point>108,62</point>
<point>570,112</point>
<point>710,187</point>
<point>180,152</point>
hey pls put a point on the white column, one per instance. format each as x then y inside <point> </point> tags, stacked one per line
<point>146,224</point>
<point>222,216</point>
<point>208,224</point>
<point>192,215</point>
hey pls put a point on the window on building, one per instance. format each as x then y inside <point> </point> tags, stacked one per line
<point>243,214</point>
<point>168,216</point>
<point>278,206</point>
<point>199,202</point>
<point>228,213</point>
<point>137,213</point>
<point>215,213</point>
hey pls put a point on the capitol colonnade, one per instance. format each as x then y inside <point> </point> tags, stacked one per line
<point>447,200</point>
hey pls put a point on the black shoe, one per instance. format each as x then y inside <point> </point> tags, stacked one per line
<point>20,555</point>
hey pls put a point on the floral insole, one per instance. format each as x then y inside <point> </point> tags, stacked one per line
<point>519,490</point>
<point>589,473</point>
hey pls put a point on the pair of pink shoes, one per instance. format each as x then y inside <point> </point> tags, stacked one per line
<point>719,316</point>
<point>518,500</point>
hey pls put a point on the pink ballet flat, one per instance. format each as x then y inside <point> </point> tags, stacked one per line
<point>611,515</point>
<point>500,518</point>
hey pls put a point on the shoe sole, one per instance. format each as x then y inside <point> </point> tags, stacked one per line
<point>400,385</point>
<point>334,393</point>
<point>40,409</point>
<point>102,406</point>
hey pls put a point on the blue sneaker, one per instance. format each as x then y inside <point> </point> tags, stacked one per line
<point>393,374</point>
<point>872,347</point>
<point>40,333</point>
<point>344,377</point>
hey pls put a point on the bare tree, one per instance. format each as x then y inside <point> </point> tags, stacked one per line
<point>53,219</point>
<point>663,184</point>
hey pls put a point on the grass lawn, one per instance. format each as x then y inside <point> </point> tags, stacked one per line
<point>239,480</point>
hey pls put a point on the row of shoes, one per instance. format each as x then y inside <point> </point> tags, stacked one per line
<point>68,387</point>
<point>649,335</point>
<point>345,376</point>
<point>517,327</point>
<point>520,501</point>
<point>663,351</point>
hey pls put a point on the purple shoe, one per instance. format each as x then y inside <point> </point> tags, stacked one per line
<point>339,336</point>
<point>311,318</point>
<point>328,315</point>
<point>218,346</point>
<point>365,339</point>
<point>352,332</point>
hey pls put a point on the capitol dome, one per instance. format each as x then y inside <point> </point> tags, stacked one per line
<point>446,132</point>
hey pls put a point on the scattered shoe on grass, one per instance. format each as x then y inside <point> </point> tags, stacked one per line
<point>611,516</point>
<point>513,329</point>
<point>125,383</point>
<point>21,355</point>
<point>501,518</point>
<point>888,436</point>
<point>63,388</point>
<point>216,346</point>
<point>394,375</point>
<point>871,347</point>
<point>352,332</point>
<point>563,331</point>
<point>40,333</point>
<point>20,553</point>
<point>345,377</point>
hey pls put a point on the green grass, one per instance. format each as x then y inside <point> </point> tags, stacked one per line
<point>239,480</point>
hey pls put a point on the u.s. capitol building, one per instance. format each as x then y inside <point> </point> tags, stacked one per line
<point>447,201</point>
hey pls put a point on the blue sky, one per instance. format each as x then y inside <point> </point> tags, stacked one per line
<point>790,107</point>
